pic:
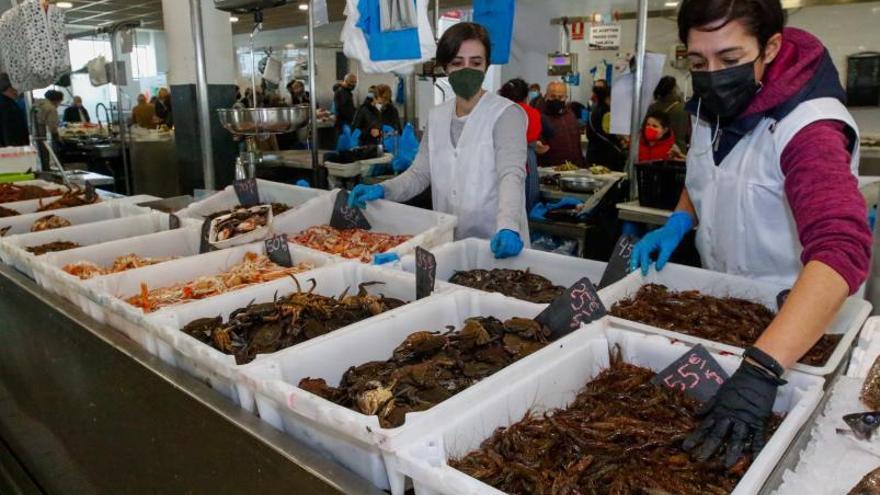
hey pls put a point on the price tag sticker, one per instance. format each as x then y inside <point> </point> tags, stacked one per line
<point>247,191</point>
<point>426,272</point>
<point>205,246</point>
<point>696,373</point>
<point>579,304</point>
<point>618,265</point>
<point>91,194</point>
<point>781,298</point>
<point>347,218</point>
<point>278,251</point>
<point>173,221</point>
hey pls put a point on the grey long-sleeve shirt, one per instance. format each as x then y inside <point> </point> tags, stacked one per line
<point>509,135</point>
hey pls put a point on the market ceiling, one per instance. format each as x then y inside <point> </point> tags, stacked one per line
<point>97,13</point>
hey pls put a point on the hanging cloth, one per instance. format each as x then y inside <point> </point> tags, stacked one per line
<point>497,17</point>
<point>98,71</point>
<point>33,46</point>
<point>398,14</point>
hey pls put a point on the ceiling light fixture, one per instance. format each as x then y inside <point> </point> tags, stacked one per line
<point>303,6</point>
<point>306,37</point>
<point>64,5</point>
<point>233,19</point>
<point>671,4</point>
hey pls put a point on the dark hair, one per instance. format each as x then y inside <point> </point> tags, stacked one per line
<point>5,83</point>
<point>664,87</point>
<point>54,96</point>
<point>450,42</point>
<point>601,92</point>
<point>535,86</point>
<point>660,116</point>
<point>762,18</point>
<point>515,90</point>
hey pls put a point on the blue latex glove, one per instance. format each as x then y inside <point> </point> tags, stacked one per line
<point>355,138</point>
<point>565,201</point>
<point>663,240</point>
<point>303,183</point>
<point>383,258</point>
<point>389,143</point>
<point>399,164</point>
<point>539,212</point>
<point>344,141</point>
<point>363,193</point>
<point>506,243</point>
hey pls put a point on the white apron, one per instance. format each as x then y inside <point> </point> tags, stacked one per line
<point>746,225</point>
<point>464,181</point>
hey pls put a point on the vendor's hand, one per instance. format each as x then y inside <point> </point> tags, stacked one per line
<point>375,133</point>
<point>363,193</point>
<point>303,183</point>
<point>383,258</point>
<point>566,201</point>
<point>541,148</point>
<point>506,243</point>
<point>539,212</point>
<point>737,414</point>
<point>663,240</point>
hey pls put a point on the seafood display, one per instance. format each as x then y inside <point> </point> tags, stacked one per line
<point>430,367</point>
<point>287,321</point>
<point>22,192</point>
<point>565,167</point>
<point>729,321</point>
<point>869,485</point>
<point>871,389</point>
<point>69,199</point>
<point>86,270</point>
<point>50,222</point>
<point>599,170</point>
<point>513,283</point>
<point>277,209</point>
<point>349,243</point>
<point>254,269</point>
<point>8,212</point>
<point>621,434</point>
<point>52,247</point>
<point>240,222</point>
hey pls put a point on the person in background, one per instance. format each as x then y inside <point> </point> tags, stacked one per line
<point>565,143</point>
<point>657,141</point>
<point>46,114</point>
<point>163,108</point>
<point>668,99</point>
<point>517,91</point>
<point>298,93</point>
<point>13,123</point>
<point>535,97</point>
<point>380,112</point>
<point>144,113</point>
<point>76,112</point>
<point>603,148</point>
<point>343,101</point>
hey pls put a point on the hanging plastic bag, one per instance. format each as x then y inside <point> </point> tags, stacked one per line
<point>402,44</point>
<point>397,14</point>
<point>409,147</point>
<point>98,71</point>
<point>355,46</point>
<point>272,71</point>
<point>348,139</point>
<point>497,17</point>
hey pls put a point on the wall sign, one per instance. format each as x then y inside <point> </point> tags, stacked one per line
<point>604,37</point>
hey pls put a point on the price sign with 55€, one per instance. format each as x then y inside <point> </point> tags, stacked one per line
<point>579,304</point>
<point>696,373</point>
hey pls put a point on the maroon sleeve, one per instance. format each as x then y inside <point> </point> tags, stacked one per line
<point>830,212</point>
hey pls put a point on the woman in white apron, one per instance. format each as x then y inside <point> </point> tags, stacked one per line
<point>472,153</point>
<point>772,189</point>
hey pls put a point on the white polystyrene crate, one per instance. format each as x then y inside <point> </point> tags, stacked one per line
<point>428,228</point>
<point>32,205</point>
<point>867,349</point>
<point>554,382</point>
<point>472,253</point>
<point>355,440</point>
<point>219,369</point>
<point>270,192</point>
<point>833,463</point>
<point>848,322</point>
<point>78,215</point>
<point>13,249</point>
<point>103,298</point>
<point>39,183</point>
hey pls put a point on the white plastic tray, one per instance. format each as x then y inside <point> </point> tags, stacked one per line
<point>79,215</point>
<point>39,183</point>
<point>219,369</point>
<point>867,349</point>
<point>553,382</point>
<point>104,297</point>
<point>472,253</point>
<point>270,192</point>
<point>677,277</point>
<point>355,440</point>
<point>428,228</point>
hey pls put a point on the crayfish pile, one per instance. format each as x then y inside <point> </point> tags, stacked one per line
<point>727,320</point>
<point>75,197</point>
<point>621,435</point>
<point>22,192</point>
<point>287,321</point>
<point>52,247</point>
<point>86,270</point>
<point>356,244</point>
<point>429,367</point>
<point>513,283</point>
<point>8,212</point>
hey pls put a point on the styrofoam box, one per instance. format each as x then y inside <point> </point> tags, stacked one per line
<point>353,439</point>
<point>39,183</point>
<point>218,369</point>
<point>867,349</point>
<point>103,298</point>
<point>428,228</point>
<point>32,205</point>
<point>79,215</point>
<point>471,254</point>
<point>679,278</point>
<point>13,249</point>
<point>270,192</point>
<point>553,382</point>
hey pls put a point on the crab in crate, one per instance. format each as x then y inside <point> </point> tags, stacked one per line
<point>521,284</point>
<point>356,244</point>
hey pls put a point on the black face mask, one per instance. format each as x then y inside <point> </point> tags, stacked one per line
<point>726,93</point>
<point>554,107</point>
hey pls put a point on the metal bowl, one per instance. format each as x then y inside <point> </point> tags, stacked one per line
<point>579,184</point>
<point>262,121</point>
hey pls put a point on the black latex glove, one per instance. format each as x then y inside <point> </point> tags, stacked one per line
<point>738,413</point>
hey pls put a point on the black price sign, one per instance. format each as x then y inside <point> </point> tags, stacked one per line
<point>347,218</point>
<point>205,246</point>
<point>247,191</point>
<point>696,373</point>
<point>781,297</point>
<point>278,251</point>
<point>426,272</point>
<point>618,265</point>
<point>91,194</point>
<point>579,304</point>
<point>173,221</point>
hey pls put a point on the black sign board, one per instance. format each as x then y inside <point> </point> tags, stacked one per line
<point>781,297</point>
<point>205,246</point>
<point>345,217</point>
<point>577,305</point>
<point>173,222</point>
<point>696,373</point>
<point>426,273</point>
<point>278,251</point>
<point>618,265</point>
<point>247,191</point>
<point>91,194</point>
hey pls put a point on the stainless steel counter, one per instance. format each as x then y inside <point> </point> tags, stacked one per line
<point>84,410</point>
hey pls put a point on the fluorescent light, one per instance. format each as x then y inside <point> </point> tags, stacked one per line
<point>289,46</point>
<point>233,19</point>
<point>306,37</point>
<point>671,4</point>
<point>64,5</point>
<point>303,6</point>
